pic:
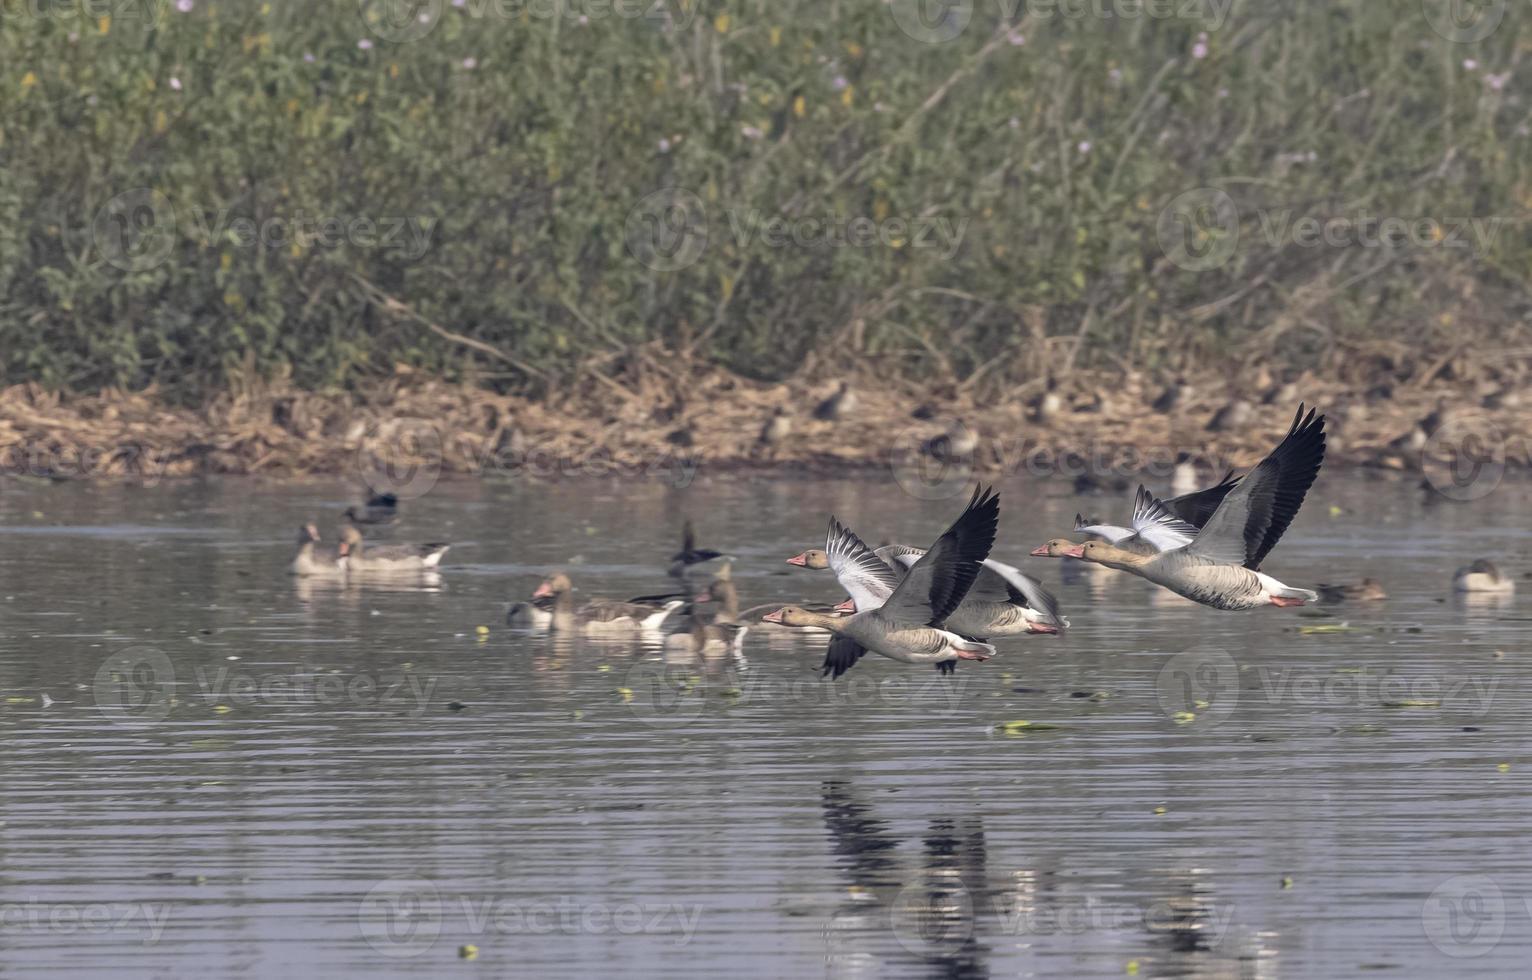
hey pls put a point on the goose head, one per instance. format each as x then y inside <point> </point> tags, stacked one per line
<point>1109,555</point>
<point>812,558</point>
<point>1057,548</point>
<point>794,616</point>
<point>556,584</point>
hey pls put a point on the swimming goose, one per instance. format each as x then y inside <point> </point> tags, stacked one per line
<point>1482,576</point>
<point>910,625</point>
<point>692,560</point>
<point>381,508</point>
<point>1220,567</point>
<point>389,558</point>
<point>600,616</point>
<point>309,561</point>
<point>1368,590</point>
<point>707,639</point>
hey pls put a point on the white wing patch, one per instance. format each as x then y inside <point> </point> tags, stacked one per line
<point>865,577</point>
<point>1154,523</point>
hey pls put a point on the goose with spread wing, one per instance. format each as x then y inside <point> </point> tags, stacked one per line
<point>910,626</point>
<point>1158,525</point>
<point>1004,600</point>
<point>1220,567</point>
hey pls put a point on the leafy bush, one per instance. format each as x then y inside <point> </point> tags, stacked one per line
<point>192,193</point>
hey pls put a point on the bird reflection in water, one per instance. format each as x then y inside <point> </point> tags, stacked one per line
<point>932,910</point>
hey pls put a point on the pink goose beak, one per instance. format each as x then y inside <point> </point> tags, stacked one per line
<point>543,591</point>
<point>801,560</point>
<point>1041,551</point>
<point>772,617</point>
<point>846,606</point>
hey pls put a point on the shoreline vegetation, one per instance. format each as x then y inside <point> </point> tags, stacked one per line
<point>1102,429</point>
<point>535,199</point>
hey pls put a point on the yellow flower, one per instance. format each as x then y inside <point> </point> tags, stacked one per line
<point>799,109</point>
<point>853,49</point>
<point>28,80</point>
<point>776,36</point>
<point>721,23</point>
<point>848,96</point>
<point>104,24</point>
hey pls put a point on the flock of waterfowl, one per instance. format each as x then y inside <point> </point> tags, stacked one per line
<point>947,602</point>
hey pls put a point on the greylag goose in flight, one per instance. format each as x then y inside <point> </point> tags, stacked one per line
<point>1220,567</point>
<point>911,625</point>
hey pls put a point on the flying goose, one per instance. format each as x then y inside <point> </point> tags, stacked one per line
<point>910,625</point>
<point>1221,565</point>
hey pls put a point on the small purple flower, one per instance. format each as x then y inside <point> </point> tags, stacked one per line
<point>470,63</point>
<point>664,145</point>
<point>1114,76</point>
<point>185,6</point>
<point>1014,123</point>
<point>1084,146</point>
<point>751,132</point>
<point>839,83</point>
<point>1497,82</point>
<point>365,44</point>
<point>1470,65</point>
<point>308,57</point>
<point>175,84</point>
<point>1016,38</point>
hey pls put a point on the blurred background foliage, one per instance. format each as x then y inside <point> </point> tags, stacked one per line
<point>1076,146</point>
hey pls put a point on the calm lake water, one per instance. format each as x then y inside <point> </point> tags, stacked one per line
<point>212,769</point>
